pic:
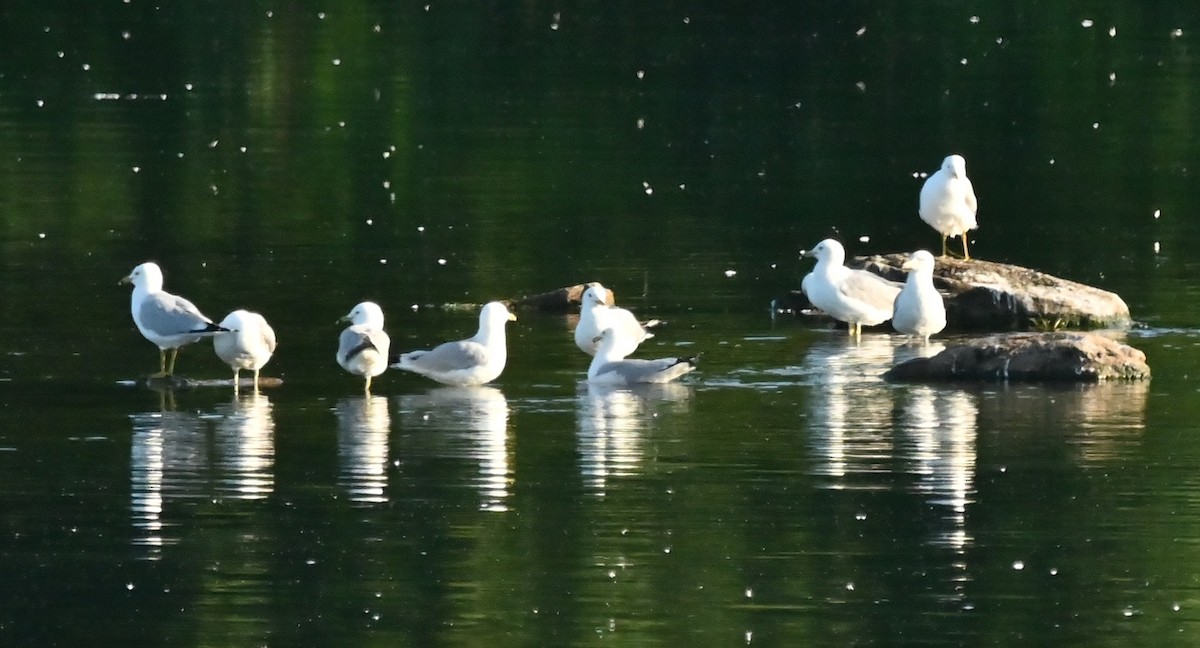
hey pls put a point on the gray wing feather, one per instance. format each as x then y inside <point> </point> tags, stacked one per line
<point>167,314</point>
<point>351,341</point>
<point>451,356</point>
<point>633,371</point>
<point>870,289</point>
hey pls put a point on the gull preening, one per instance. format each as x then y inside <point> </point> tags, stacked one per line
<point>948,202</point>
<point>595,315</point>
<point>248,343</point>
<point>473,361</point>
<point>919,309</point>
<point>856,297</point>
<point>169,321</point>
<point>609,366</point>
<point>363,346</point>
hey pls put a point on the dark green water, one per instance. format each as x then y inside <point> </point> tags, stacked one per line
<point>298,159</point>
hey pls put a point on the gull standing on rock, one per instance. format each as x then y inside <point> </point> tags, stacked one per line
<point>595,315</point>
<point>473,361</point>
<point>919,309</point>
<point>609,367</point>
<point>248,344</point>
<point>169,321</point>
<point>363,346</point>
<point>856,297</point>
<point>948,202</point>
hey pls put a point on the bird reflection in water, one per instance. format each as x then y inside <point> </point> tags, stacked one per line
<point>245,447</point>
<point>168,460</point>
<point>851,431</point>
<point>612,421</point>
<point>363,424</point>
<point>469,422</point>
<point>939,447</point>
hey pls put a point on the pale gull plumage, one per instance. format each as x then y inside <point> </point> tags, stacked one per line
<point>248,344</point>
<point>363,346</point>
<point>169,321</point>
<point>948,202</point>
<point>473,361</point>
<point>919,309</point>
<point>856,297</point>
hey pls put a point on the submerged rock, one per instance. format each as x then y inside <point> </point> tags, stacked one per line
<point>1028,357</point>
<point>159,383</point>
<point>989,296</point>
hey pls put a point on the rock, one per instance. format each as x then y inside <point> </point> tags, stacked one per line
<point>1029,357</point>
<point>989,296</point>
<point>561,300</point>
<point>160,383</point>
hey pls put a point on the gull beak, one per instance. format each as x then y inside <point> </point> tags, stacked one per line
<point>127,279</point>
<point>907,265</point>
<point>512,318</point>
<point>343,318</point>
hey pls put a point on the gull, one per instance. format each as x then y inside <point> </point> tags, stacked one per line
<point>363,346</point>
<point>856,297</point>
<point>169,321</point>
<point>248,344</point>
<point>918,309</point>
<point>473,361</point>
<point>948,202</point>
<point>595,315</point>
<point>609,367</point>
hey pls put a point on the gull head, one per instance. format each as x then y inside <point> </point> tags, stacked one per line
<point>920,260</point>
<point>829,251</point>
<point>146,275</point>
<point>368,313</point>
<point>495,313</point>
<point>595,294</point>
<point>955,165</point>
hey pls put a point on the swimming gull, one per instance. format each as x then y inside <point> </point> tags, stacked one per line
<point>948,202</point>
<point>595,315</point>
<point>473,361</point>
<point>169,321</point>
<point>919,309</point>
<point>249,343</point>
<point>856,297</point>
<point>610,368</point>
<point>363,346</point>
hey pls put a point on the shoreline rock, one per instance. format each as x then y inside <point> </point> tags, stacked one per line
<point>989,296</point>
<point>1028,357</point>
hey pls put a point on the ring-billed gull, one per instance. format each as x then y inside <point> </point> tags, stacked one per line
<point>948,202</point>
<point>609,367</point>
<point>856,297</point>
<point>919,309</point>
<point>473,361</point>
<point>169,321</point>
<point>249,344</point>
<point>363,346</point>
<point>595,315</point>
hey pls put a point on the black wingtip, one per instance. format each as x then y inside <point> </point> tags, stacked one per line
<point>359,349</point>
<point>213,328</point>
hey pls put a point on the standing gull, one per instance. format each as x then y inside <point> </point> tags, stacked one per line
<point>363,346</point>
<point>919,309</point>
<point>473,361</point>
<point>856,297</point>
<point>948,202</point>
<point>169,321</point>
<point>609,366</point>
<point>595,315</point>
<point>248,344</point>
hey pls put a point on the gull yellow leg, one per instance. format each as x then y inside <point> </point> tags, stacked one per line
<point>367,387</point>
<point>945,250</point>
<point>162,364</point>
<point>171,364</point>
<point>237,380</point>
<point>966,257</point>
<point>256,381</point>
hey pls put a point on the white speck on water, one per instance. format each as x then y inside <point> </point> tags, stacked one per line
<point>1018,565</point>
<point>687,20</point>
<point>415,308</point>
<point>1157,213</point>
<point>427,7</point>
<point>1175,607</point>
<point>862,86</point>
<point>377,29</point>
<point>387,154</point>
<point>420,228</point>
<point>749,593</point>
<point>242,149</point>
<point>612,573</point>
<point>1112,78</point>
<point>270,14</point>
<point>850,586</point>
<point>864,239</point>
<point>215,191</point>
<point>441,262</point>
<point>213,144</point>
<point>310,561</point>
<point>187,86</point>
<point>40,103</point>
<point>321,15</point>
<point>554,21</point>
<point>1095,125</point>
<point>730,273</point>
<point>648,189</point>
<point>137,169</point>
<point>860,516</point>
<point>962,61</point>
<point>341,124</point>
<point>1052,161</point>
<point>666,550</point>
<point>370,221</point>
<point>1112,32</point>
<point>861,30</point>
<point>1128,612</point>
<point>125,35</point>
<point>1054,571</point>
<point>999,40</point>
<point>129,586</point>
<point>383,262</point>
<point>61,54</point>
<point>641,123</point>
<point>41,235</point>
<point>337,61</point>
<point>387,184</point>
<point>1176,33</point>
<point>86,66</point>
<point>1087,23</point>
<point>974,20</point>
<point>749,636</point>
<point>641,74</point>
<point>1156,247</point>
